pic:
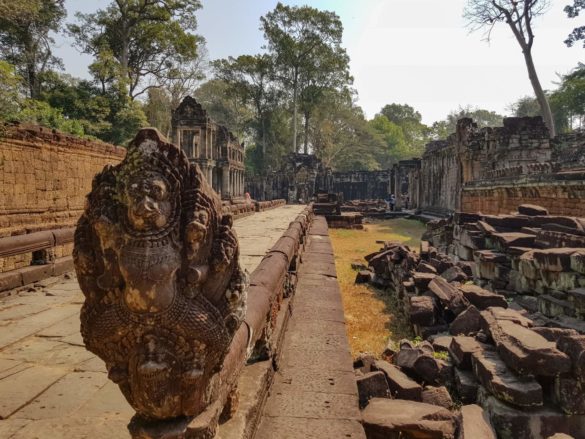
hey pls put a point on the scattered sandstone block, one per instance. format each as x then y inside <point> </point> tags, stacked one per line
<point>527,352</point>
<point>504,241</point>
<point>364,362</point>
<point>400,385</point>
<point>419,364</point>
<point>462,348</point>
<point>515,423</point>
<point>475,423</point>
<point>437,396</point>
<point>363,277</point>
<point>422,280</point>
<point>372,385</point>
<point>466,323</point>
<point>454,274</point>
<point>493,374</point>
<point>491,315</point>
<point>532,210</point>
<point>387,418</point>
<point>442,343</point>
<point>555,334</point>
<point>425,267</point>
<point>481,298</point>
<point>422,310</point>
<point>449,296</point>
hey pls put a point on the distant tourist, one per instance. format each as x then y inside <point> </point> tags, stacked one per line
<point>392,202</point>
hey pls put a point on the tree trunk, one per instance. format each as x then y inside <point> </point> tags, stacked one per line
<point>306,146</point>
<point>539,92</point>
<point>295,97</point>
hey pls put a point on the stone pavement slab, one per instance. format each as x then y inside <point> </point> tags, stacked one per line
<point>50,386</point>
<point>314,393</point>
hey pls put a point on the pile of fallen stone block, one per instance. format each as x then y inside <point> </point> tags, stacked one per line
<point>532,257</point>
<point>485,361</point>
<point>365,206</point>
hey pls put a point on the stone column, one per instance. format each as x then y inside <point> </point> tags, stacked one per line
<point>232,183</point>
<point>225,181</point>
<point>210,175</point>
<point>239,183</point>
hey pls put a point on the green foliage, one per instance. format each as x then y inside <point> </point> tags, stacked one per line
<point>578,33</point>
<point>305,44</point>
<point>416,134</point>
<point>441,355</point>
<point>25,40</point>
<point>10,84</point>
<point>483,118</point>
<point>225,107</point>
<point>567,102</point>
<point>149,39</point>
<point>41,113</point>
<point>158,110</point>
<point>341,136</point>
<point>396,146</point>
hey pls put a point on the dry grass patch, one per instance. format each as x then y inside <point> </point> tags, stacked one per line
<point>371,314</point>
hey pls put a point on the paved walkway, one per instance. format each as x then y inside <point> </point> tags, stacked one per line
<point>50,386</point>
<point>314,395</point>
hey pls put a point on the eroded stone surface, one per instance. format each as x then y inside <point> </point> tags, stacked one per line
<point>387,418</point>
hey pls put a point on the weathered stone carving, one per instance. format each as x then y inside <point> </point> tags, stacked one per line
<point>164,292</point>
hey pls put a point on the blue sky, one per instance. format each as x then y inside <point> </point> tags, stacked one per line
<point>405,51</point>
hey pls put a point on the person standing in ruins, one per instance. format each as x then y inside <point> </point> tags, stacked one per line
<point>392,202</point>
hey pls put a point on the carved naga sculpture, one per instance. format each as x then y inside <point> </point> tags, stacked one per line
<point>164,292</point>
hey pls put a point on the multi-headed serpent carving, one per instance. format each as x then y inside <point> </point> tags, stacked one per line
<point>158,265</point>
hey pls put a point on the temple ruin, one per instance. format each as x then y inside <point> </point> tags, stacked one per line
<point>213,147</point>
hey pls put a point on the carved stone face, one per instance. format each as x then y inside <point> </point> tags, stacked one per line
<point>149,202</point>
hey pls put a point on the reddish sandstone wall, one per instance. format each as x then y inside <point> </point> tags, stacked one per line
<point>44,178</point>
<point>558,196</point>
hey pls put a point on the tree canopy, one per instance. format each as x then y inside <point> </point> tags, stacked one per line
<point>578,33</point>
<point>519,16</point>
<point>135,41</point>
<point>25,38</point>
<point>305,44</point>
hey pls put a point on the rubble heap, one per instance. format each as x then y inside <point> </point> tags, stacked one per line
<point>496,301</point>
<point>367,207</point>
<point>536,259</point>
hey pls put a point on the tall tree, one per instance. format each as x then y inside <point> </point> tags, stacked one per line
<point>225,107</point>
<point>25,39</point>
<point>578,34</point>
<point>519,15</point>
<point>149,39</point>
<point>328,74</point>
<point>341,136</point>
<point>297,37</point>
<point>250,79</point>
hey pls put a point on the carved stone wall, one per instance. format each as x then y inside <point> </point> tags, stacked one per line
<point>302,175</point>
<point>44,176</point>
<point>493,170</point>
<point>299,178</point>
<point>362,185</point>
